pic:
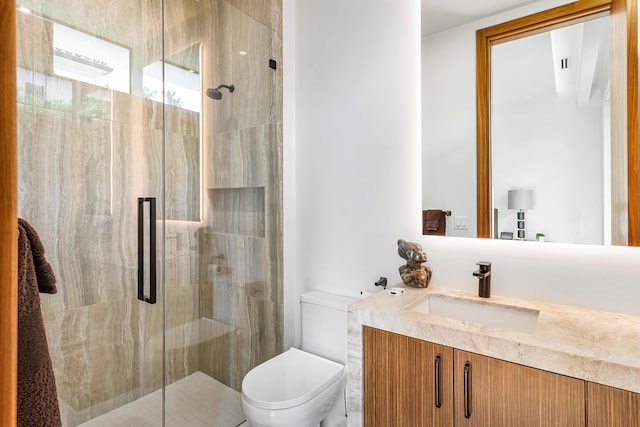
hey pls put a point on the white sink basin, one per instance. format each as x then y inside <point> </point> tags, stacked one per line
<point>484,313</point>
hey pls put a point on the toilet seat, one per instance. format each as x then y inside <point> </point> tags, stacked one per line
<point>289,379</point>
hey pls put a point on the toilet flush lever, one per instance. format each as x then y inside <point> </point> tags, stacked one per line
<point>382,281</point>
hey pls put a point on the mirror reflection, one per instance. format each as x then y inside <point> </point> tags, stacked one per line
<point>547,118</point>
<point>550,135</point>
<point>178,77</point>
<point>181,79</point>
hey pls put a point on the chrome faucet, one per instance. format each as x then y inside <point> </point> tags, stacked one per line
<point>484,276</point>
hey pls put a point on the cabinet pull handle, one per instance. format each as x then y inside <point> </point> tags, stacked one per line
<point>436,375</point>
<point>467,390</point>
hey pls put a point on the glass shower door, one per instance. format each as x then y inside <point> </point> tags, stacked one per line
<point>123,142</point>
<point>91,167</point>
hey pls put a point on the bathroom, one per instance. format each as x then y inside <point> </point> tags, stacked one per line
<point>348,168</point>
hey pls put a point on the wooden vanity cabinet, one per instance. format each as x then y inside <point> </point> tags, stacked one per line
<point>400,377</point>
<point>400,383</point>
<point>612,407</point>
<point>495,393</point>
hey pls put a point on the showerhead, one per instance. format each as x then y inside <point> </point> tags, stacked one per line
<point>214,93</point>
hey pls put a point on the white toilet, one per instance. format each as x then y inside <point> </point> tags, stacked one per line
<point>302,388</point>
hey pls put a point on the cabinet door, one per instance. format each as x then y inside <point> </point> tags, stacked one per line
<point>494,393</point>
<point>612,407</point>
<point>400,381</point>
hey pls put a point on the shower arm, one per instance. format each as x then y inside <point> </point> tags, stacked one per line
<point>231,88</point>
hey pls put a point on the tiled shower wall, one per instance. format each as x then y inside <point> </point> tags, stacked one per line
<point>83,165</point>
<point>240,250</point>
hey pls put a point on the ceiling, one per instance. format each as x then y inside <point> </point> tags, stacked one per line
<point>529,68</point>
<point>440,15</point>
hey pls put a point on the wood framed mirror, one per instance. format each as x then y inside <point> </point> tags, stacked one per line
<point>624,106</point>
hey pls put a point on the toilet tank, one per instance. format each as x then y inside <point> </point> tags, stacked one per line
<point>324,324</point>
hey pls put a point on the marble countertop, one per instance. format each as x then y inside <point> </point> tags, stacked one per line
<point>592,345</point>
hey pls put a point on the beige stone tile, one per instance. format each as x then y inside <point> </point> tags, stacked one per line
<point>182,177</point>
<point>252,102</point>
<point>244,158</point>
<point>89,347</point>
<point>268,12</point>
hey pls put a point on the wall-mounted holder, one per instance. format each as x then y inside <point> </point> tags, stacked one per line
<point>434,222</point>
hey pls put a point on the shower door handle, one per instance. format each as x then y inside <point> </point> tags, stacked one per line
<point>151,299</point>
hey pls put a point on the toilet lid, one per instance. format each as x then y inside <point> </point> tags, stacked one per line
<point>289,379</point>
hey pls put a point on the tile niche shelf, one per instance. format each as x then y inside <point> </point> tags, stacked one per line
<point>238,211</point>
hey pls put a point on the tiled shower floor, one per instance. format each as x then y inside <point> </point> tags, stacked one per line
<point>194,401</point>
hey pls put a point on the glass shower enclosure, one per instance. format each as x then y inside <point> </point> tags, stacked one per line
<point>159,207</point>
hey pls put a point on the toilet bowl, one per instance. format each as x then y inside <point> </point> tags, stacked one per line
<point>294,389</point>
<point>304,387</point>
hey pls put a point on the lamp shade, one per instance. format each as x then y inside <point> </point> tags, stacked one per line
<point>520,199</point>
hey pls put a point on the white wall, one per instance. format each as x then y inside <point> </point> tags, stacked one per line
<point>353,150</point>
<point>449,127</point>
<point>289,170</point>
<point>355,73</point>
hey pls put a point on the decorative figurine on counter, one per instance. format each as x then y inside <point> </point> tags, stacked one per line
<point>413,273</point>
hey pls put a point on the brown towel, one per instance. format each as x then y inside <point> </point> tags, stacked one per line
<point>37,396</point>
<point>434,222</point>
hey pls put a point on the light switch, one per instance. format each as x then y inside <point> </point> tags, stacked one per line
<point>460,222</point>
